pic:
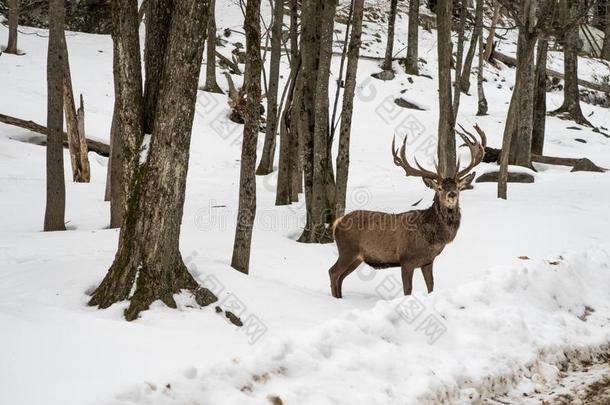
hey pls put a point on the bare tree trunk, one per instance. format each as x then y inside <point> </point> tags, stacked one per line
<point>412,39</point>
<point>606,46</point>
<point>571,96</point>
<point>13,23</point>
<point>108,190</point>
<point>482,100</point>
<point>459,58</point>
<point>333,121</point>
<point>148,265</point>
<point>474,40</point>
<point>128,107</point>
<point>316,51</point>
<point>210,68</point>
<point>492,32</point>
<point>288,156</point>
<point>247,180</point>
<point>158,17</point>
<point>446,125</point>
<point>389,50</point>
<point>538,127</point>
<point>56,189</point>
<point>297,139</point>
<point>266,164</point>
<point>76,139</point>
<point>348,107</point>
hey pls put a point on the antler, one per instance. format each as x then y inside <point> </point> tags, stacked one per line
<point>400,159</point>
<point>477,149</point>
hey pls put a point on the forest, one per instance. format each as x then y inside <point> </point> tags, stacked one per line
<point>304,202</point>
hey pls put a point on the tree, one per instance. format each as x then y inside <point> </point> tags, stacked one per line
<point>446,115</point>
<point>247,180</point>
<point>459,57</point>
<point>128,114</point>
<point>13,23</point>
<point>489,44</point>
<point>539,124</point>
<point>474,40</point>
<point>388,72</point>
<point>148,264</point>
<point>571,95</point>
<point>412,39</point>
<point>348,106</point>
<point>56,189</point>
<point>266,164</point>
<point>75,125</point>
<point>158,17</point>
<point>606,46</point>
<point>210,68</point>
<point>482,101</point>
<point>316,53</point>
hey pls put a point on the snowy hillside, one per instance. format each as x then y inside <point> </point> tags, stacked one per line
<point>521,295</point>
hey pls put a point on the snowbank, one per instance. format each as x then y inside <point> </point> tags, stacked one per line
<point>456,345</point>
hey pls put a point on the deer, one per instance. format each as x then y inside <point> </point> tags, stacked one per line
<point>411,239</point>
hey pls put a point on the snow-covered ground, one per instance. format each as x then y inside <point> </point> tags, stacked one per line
<point>521,292</point>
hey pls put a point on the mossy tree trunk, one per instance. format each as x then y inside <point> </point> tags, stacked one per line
<point>148,265</point>
<point>247,179</point>
<point>539,124</point>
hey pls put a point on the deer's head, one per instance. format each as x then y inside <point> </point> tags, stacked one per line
<point>447,189</point>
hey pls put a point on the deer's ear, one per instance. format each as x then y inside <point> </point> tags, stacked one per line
<point>430,183</point>
<point>465,183</point>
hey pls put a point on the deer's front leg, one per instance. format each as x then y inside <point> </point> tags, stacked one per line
<point>407,278</point>
<point>427,271</point>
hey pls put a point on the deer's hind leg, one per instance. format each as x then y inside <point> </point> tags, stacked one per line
<point>339,271</point>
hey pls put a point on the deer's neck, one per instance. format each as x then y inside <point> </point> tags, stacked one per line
<point>448,217</point>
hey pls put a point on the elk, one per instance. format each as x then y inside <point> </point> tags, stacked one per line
<point>411,239</point>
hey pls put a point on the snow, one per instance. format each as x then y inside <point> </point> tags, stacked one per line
<point>507,323</point>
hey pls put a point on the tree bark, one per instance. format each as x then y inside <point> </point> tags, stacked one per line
<point>317,23</point>
<point>389,50</point>
<point>459,58</point>
<point>13,23</point>
<point>288,139</point>
<point>56,189</point>
<point>538,127</point>
<point>446,117</point>
<point>571,96</point>
<point>247,180</point>
<point>522,123</point>
<point>489,45</point>
<point>474,39</point>
<point>108,189</point>
<point>411,66</point>
<point>128,107</point>
<point>148,264</point>
<point>266,164</point>
<point>348,106</point>
<point>76,139</point>
<point>158,17</point>
<point>606,46</point>
<point>210,68</point>
<point>482,100</point>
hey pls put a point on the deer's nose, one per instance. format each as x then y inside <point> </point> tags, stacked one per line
<point>452,194</point>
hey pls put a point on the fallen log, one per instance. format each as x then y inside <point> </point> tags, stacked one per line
<point>510,61</point>
<point>492,155</point>
<point>94,146</point>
